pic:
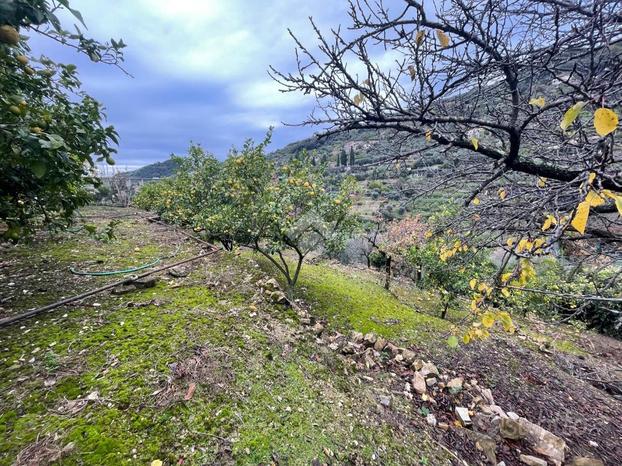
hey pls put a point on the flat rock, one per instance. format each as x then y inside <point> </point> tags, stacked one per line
<point>463,415</point>
<point>123,289</point>
<point>544,442</point>
<point>179,272</point>
<point>585,461</point>
<point>428,369</point>
<point>511,429</point>
<point>143,283</point>
<point>533,460</point>
<point>456,383</point>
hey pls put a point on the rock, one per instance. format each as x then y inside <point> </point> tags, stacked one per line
<point>533,460</point>
<point>357,337</point>
<point>498,411</point>
<point>123,289</point>
<point>431,419</point>
<point>317,329</point>
<point>544,442</point>
<point>409,356</point>
<point>385,401</point>
<point>443,426</point>
<point>391,348</point>
<point>350,348</point>
<point>485,444</point>
<point>143,283</point>
<point>585,461</point>
<point>418,383</point>
<point>511,429</point>
<point>369,339</point>
<point>271,285</point>
<point>513,415</point>
<point>278,297</point>
<point>380,344</point>
<point>428,369</point>
<point>179,272</point>
<point>417,364</point>
<point>487,395</point>
<point>463,415</point>
<point>455,384</point>
<point>431,382</point>
<point>305,321</point>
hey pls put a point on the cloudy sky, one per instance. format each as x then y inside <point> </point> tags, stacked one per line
<point>200,71</point>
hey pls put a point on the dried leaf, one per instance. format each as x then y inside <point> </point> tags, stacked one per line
<point>541,182</point>
<point>475,142</point>
<point>594,199</point>
<point>412,72</point>
<point>502,193</point>
<point>191,388</point>
<point>420,36</point>
<point>605,121</point>
<point>538,102</point>
<point>442,38</point>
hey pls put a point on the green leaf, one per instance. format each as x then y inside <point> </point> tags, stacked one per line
<point>452,341</point>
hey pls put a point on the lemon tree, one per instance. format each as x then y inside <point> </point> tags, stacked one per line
<point>51,132</point>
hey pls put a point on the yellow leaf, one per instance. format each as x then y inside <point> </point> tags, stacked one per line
<point>156,463</point>
<point>591,177</point>
<point>505,292</point>
<point>488,319</point>
<point>571,115</point>
<point>475,142</point>
<point>428,135</point>
<point>538,102</point>
<point>420,36</point>
<point>428,234</point>
<point>466,338</point>
<point>616,198</point>
<point>412,72</point>
<point>605,121</point>
<point>506,321</point>
<point>538,243</point>
<point>506,276</point>
<point>502,194</point>
<point>442,38</point>
<point>476,201</point>
<point>594,199</point>
<point>541,182</point>
<point>510,242</point>
<point>579,222</point>
<point>474,303</point>
<point>549,222</point>
<point>473,283</point>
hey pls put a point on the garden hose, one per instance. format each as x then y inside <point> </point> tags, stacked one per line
<point>124,271</point>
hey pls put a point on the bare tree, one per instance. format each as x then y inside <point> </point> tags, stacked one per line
<point>506,91</point>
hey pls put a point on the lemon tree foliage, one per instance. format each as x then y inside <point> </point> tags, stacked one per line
<point>529,129</point>
<point>51,132</point>
<point>282,212</point>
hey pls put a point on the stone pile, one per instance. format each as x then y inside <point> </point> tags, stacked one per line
<point>473,409</point>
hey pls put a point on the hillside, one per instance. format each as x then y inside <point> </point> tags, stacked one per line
<point>206,368</point>
<point>155,170</point>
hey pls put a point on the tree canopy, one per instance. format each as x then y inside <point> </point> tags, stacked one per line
<point>51,132</point>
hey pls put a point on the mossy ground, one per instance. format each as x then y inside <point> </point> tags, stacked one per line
<point>102,377</point>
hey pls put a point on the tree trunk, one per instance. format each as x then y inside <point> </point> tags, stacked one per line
<point>444,312</point>
<point>387,272</point>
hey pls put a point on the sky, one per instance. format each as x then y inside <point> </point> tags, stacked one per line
<point>199,71</point>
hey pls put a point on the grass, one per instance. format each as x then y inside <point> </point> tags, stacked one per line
<point>355,301</point>
<point>267,394</point>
